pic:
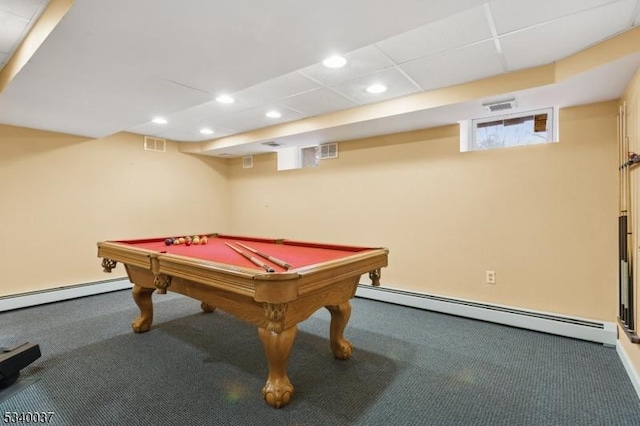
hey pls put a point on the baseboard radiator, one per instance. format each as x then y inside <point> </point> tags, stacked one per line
<point>595,331</point>
<point>34,298</point>
<point>578,328</point>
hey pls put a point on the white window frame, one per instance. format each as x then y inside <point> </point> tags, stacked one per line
<point>468,128</point>
<point>291,158</point>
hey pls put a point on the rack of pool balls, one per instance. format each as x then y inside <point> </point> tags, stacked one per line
<point>187,241</point>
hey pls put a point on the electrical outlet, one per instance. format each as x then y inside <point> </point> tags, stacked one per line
<point>491,277</point>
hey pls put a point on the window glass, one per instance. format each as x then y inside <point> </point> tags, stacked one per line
<point>527,128</point>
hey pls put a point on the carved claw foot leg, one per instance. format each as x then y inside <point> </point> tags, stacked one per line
<point>340,314</point>
<point>207,307</point>
<point>142,297</point>
<point>278,392</point>
<point>375,277</point>
<point>277,347</point>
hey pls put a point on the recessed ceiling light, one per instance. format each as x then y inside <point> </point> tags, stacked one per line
<point>376,88</point>
<point>225,99</point>
<point>334,62</point>
<point>206,131</point>
<point>159,120</point>
<point>273,114</point>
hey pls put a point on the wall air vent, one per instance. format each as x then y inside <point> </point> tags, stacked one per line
<point>247,162</point>
<point>329,150</point>
<point>154,144</point>
<point>500,106</point>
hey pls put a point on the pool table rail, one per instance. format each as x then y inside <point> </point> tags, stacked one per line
<point>316,277</point>
<point>272,287</point>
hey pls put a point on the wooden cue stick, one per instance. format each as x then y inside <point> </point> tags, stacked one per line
<point>275,260</point>
<point>251,258</point>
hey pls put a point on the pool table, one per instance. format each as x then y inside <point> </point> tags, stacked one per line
<point>272,283</point>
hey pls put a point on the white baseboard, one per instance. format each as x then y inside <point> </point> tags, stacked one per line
<point>24,300</point>
<point>628,366</point>
<point>578,328</point>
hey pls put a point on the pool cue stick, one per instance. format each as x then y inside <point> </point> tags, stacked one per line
<point>625,227</point>
<point>252,259</point>
<point>622,223</point>
<point>275,260</point>
<point>628,225</point>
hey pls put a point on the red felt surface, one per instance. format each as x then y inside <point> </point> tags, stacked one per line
<point>297,254</point>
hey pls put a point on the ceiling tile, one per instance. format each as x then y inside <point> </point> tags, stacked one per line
<point>237,123</point>
<point>259,114</point>
<point>455,31</point>
<point>243,101</point>
<point>359,62</point>
<point>397,85</point>
<point>319,101</point>
<point>181,124</point>
<point>184,135</point>
<point>562,37</point>
<point>455,66</point>
<point>150,129</point>
<point>283,86</point>
<point>28,9</point>
<point>11,31</point>
<point>511,15</point>
<point>209,113</point>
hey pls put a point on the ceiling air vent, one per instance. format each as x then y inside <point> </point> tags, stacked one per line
<point>272,144</point>
<point>500,106</point>
<point>247,162</point>
<point>329,150</point>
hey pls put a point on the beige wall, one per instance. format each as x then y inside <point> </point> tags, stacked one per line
<point>543,217</point>
<point>61,194</point>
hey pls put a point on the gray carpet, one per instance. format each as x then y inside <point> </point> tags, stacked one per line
<point>410,367</point>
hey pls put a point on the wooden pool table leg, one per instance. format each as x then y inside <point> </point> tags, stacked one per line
<point>207,307</point>
<point>340,314</point>
<point>142,297</point>
<point>277,348</point>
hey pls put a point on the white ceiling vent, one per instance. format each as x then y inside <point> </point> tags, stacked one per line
<point>247,162</point>
<point>500,106</point>
<point>329,150</point>
<point>154,144</point>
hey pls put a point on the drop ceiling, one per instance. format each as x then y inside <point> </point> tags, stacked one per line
<point>115,66</point>
<point>16,19</point>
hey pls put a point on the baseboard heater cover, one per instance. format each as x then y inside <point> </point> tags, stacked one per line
<point>602,332</point>
<point>578,328</point>
<point>34,298</point>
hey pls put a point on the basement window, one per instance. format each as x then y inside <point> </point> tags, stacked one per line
<point>300,157</point>
<point>517,129</point>
<point>296,157</point>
